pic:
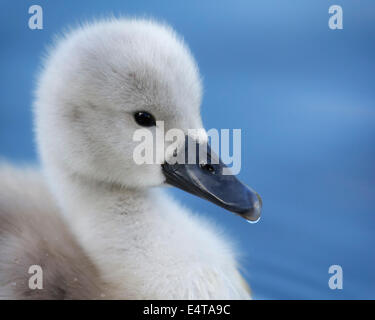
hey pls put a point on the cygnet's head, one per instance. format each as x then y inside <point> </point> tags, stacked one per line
<point>104,81</point>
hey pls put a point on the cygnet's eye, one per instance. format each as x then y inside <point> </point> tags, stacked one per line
<point>144,119</point>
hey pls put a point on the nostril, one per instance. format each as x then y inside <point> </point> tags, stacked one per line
<point>208,167</point>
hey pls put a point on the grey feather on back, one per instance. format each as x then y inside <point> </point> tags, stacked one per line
<point>32,233</point>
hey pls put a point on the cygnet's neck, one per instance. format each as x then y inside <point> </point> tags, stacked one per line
<point>112,224</point>
<point>87,201</point>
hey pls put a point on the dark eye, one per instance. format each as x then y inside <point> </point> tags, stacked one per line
<point>144,119</point>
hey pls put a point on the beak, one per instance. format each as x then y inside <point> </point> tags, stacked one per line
<point>206,180</point>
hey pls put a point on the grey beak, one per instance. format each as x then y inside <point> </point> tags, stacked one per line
<point>206,180</point>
